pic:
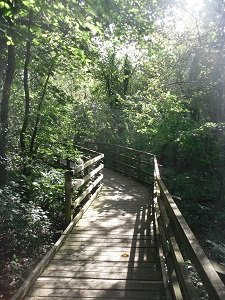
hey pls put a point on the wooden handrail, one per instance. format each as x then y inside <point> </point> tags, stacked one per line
<point>129,161</point>
<point>80,189</point>
<point>73,193</point>
<point>88,144</point>
<point>175,235</point>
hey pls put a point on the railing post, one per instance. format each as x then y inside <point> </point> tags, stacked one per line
<point>116,157</point>
<point>68,163</point>
<point>139,166</point>
<point>68,197</point>
<point>86,172</point>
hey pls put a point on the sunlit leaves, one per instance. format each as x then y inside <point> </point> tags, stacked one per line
<point>28,3</point>
<point>5,5</point>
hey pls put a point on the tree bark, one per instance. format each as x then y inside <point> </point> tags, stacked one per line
<point>27,96</point>
<point>2,60</point>
<point>127,73</point>
<point>5,113</point>
<point>33,138</point>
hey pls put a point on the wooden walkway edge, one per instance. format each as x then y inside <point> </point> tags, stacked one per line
<point>111,253</point>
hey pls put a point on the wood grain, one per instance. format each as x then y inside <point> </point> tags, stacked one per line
<point>112,252</point>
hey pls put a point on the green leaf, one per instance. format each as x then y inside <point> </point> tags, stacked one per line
<point>28,3</point>
<point>4,4</point>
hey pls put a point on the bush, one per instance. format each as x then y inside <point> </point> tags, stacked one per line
<point>25,235</point>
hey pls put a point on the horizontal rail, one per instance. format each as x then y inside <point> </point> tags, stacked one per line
<point>88,150</point>
<point>119,146</point>
<point>77,183</point>
<point>90,179</point>
<point>135,150</point>
<point>126,156</point>
<point>178,235</point>
<point>78,200</point>
<point>88,164</point>
<point>129,161</point>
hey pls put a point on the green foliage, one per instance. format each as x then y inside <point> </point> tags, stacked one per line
<point>46,188</point>
<point>31,211</point>
<point>22,224</point>
<point>113,71</point>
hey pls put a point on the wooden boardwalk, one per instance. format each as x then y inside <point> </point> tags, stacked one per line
<point>112,252</point>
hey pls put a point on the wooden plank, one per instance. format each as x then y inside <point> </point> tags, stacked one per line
<point>111,260</point>
<point>115,239</point>
<point>86,235</point>
<point>102,298</point>
<point>105,267</point>
<point>95,225</point>
<point>131,274</point>
<point>96,294</point>
<point>108,243</point>
<point>50,254</point>
<point>103,264</point>
<point>111,232</point>
<point>114,256</point>
<point>92,284</point>
<point>116,222</point>
<point>145,252</point>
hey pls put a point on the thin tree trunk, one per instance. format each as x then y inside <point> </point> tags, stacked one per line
<point>27,96</point>
<point>2,60</point>
<point>127,73</point>
<point>33,138</point>
<point>5,112</point>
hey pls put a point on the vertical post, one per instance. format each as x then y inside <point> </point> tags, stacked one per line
<point>68,163</point>
<point>139,166</point>
<point>86,172</point>
<point>68,197</point>
<point>116,157</point>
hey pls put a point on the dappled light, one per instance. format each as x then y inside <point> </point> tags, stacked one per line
<point>112,251</point>
<point>118,84</point>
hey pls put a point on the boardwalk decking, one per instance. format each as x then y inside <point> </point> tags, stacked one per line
<point>112,252</point>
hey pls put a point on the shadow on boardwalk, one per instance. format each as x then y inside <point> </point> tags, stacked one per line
<point>112,252</point>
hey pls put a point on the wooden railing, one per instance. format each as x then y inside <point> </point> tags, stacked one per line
<point>82,181</point>
<point>131,162</point>
<point>177,243</point>
<point>82,185</point>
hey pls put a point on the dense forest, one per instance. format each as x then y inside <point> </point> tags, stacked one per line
<point>148,74</point>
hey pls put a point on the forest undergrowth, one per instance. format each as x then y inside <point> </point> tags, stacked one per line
<point>145,74</point>
<point>31,220</point>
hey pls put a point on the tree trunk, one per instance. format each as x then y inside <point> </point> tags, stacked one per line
<point>2,60</point>
<point>27,96</point>
<point>33,138</point>
<point>127,73</point>
<point>5,112</point>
